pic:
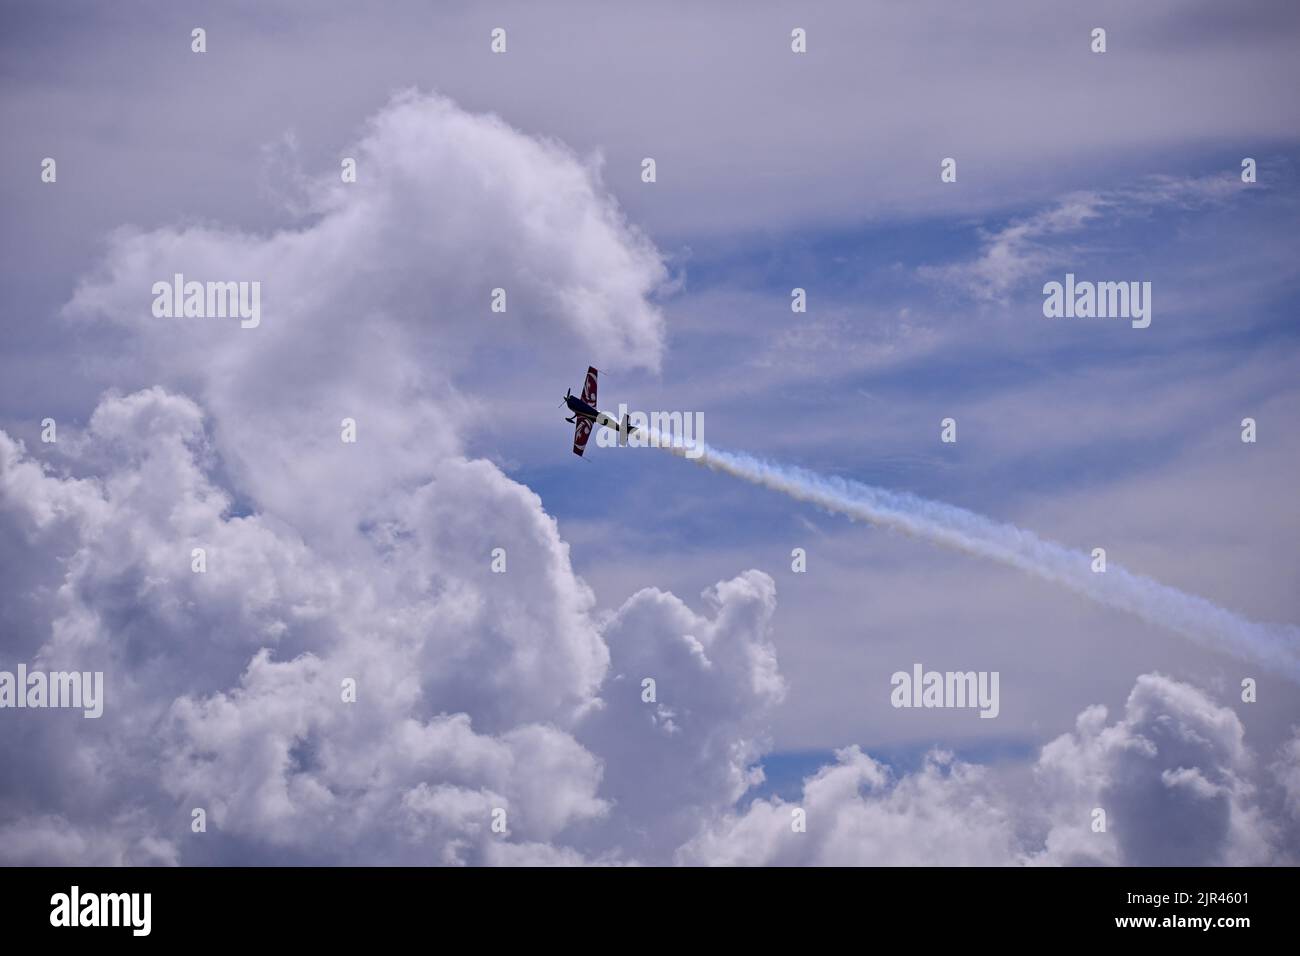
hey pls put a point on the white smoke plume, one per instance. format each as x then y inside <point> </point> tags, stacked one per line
<point>1274,646</point>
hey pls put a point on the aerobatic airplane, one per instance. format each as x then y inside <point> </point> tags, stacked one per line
<point>586,414</point>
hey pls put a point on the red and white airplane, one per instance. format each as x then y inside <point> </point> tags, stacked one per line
<point>586,414</point>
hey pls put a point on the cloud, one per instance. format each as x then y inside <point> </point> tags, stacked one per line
<point>1027,246</point>
<point>1285,770</point>
<point>378,309</point>
<point>859,814</point>
<point>236,673</point>
<point>45,840</point>
<point>224,688</point>
<point>224,693</point>
<point>1173,775</point>
<point>326,562</point>
<point>1011,90</point>
<point>690,753</point>
<point>475,692</point>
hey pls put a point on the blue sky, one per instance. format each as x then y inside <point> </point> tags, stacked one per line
<point>879,423</point>
<point>775,171</point>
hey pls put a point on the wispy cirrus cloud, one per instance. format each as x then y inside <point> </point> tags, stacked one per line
<point>1011,255</point>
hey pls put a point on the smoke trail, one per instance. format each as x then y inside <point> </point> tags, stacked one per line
<point>1273,646</point>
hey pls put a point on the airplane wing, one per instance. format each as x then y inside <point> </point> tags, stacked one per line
<point>589,388</point>
<point>582,430</point>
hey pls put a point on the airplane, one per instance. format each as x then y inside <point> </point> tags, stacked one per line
<point>585,414</point>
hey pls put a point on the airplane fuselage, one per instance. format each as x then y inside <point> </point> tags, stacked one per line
<point>594,415</point>
<point>581,409</point>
